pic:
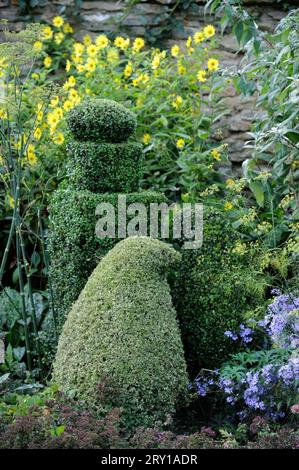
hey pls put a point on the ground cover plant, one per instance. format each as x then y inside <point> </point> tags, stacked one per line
<point>54,421</point>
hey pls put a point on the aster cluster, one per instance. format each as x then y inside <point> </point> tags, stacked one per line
<point>282,321</point>
<point>268,389</point>
<point>266,381</point>
<point>244,334</point>
<point>280,324</point>
<point>203,384</point>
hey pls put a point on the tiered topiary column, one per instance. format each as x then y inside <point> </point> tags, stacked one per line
<point>103,164</point>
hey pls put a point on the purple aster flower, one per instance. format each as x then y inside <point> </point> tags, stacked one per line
<point>201,386</point>
<point>231,335</point>
<point>242,415</point>
<point>282,321</point>
<point>230,399</point>
<point>283,304</point>
<point>245,333</point>
<point>290,371</point>
<point>268,374</point>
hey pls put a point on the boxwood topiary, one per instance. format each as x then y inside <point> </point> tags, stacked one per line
<point>73,246</point>
<point>123,331</point>
<point>101,120</point>
<point>104,167</point>
<point>101,165</point>
<point>214,288</point>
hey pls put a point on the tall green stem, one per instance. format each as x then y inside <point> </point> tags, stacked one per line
<point>32,306</point>
<point>23,304</point>
<point>45,254</point>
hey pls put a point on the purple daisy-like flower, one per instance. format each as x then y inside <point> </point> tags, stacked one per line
<point>231,335</point>
<point>245,333</point>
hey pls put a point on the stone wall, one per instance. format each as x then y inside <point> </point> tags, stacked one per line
<point>99,16</point>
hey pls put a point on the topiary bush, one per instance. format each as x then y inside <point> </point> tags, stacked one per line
<point>101,120</point>
<point>213,290</point>
<point>105,167</point>
<point>97,168</point>
<point>123,331</point>
<point>74,248</point>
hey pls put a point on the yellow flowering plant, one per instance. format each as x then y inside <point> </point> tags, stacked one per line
<point>55,42</point>
<point>177,109</point>
<point>26,179</point>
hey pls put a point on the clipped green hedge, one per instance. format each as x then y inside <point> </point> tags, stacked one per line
<point>101,120</point>
<point>212,292</point>
<point>105,167</point>
<point>73,246</point>
<point>122,333</point>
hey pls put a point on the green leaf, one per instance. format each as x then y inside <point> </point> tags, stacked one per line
<point>164,121</point>
<point>15,276</point>
<point>293,136</point>
<point>19,353</point>
<point>247,167</point>
<point>57,431</point>
<point>237,223</point>
<point>203,134</point>
<point>256,46</point>
<point>9,358</point>
<point>35,259</point>
<point>4,378</point>
<point>258,192</point>
<point>238,30</point>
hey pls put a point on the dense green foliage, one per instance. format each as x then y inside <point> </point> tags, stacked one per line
<point>123,332</point>
<point>12,330</point>
<point>99,172</point>
<point>270,71</point>
<point>73,246</point>
<point>105,167</point>
<point>213,290</point>
<point>101,120</point>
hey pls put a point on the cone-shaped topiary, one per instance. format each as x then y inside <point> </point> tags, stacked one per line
<point>123,331</point>
<point>102,165</point>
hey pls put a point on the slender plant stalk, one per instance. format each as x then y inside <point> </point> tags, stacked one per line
<point>7,247</point>
<point>32,306</point>
<point>15,138</point>
<point>22,293</point>
<point>45,254</point>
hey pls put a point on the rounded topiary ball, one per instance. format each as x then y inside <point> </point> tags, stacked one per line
<point>101,120</point>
